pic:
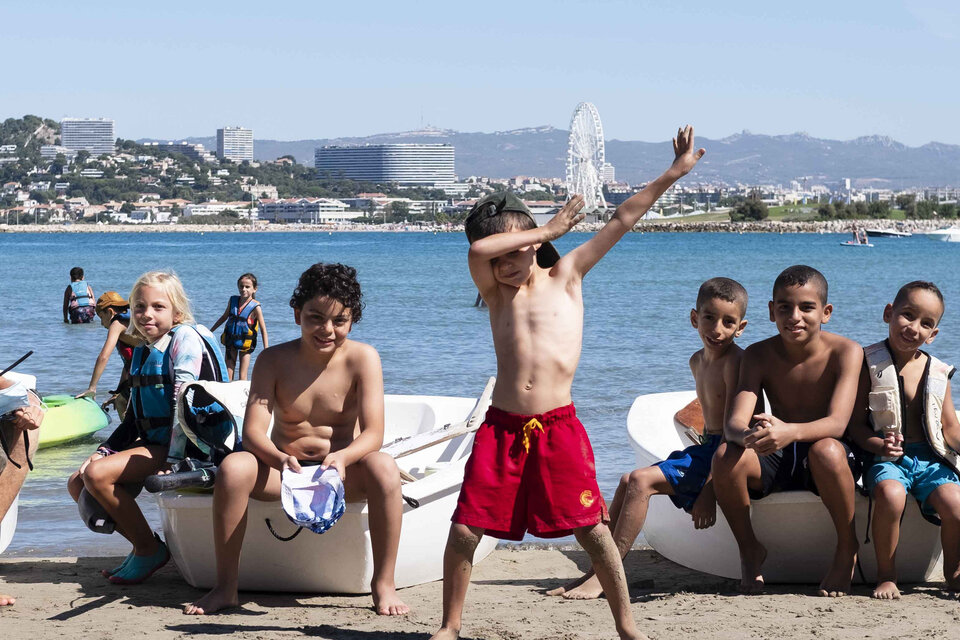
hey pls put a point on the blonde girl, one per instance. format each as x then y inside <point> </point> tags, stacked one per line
<point>175,351</point>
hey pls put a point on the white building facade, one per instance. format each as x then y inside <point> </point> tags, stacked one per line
<point>412,165</point>
<point>94,135</point>
<point>235,143</point>
<point>307,210</point>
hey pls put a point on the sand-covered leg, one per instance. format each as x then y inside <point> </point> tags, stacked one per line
<point>628,512</point>
<point>104,479</point>
<point>381,483</point>
<point>945,499</point>
<point>457,567</point>
<point>889,499</point>
<point>733,469</point>
<point>240,476</point>
<point>597,541</point>
<point>828,465</point>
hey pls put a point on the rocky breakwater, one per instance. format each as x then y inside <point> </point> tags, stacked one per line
<point>776,226</point>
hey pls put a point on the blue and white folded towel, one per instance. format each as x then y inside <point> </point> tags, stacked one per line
<point>312,498</point>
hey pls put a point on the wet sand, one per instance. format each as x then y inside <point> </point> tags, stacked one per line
<point>67,598</point>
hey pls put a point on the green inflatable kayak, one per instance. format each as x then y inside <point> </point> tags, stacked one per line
<point>68,418</point>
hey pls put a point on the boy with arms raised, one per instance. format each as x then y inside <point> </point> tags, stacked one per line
<point>532,466</point>
<point>325,393</point>
<point>685,475</point>
<point>810,377</point>
<point>915,434</point>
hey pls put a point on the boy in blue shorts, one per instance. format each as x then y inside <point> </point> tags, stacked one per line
<point>905,417</point>
<point>685,475</point>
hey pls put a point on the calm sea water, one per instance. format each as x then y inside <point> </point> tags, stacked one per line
<point>419,315</point>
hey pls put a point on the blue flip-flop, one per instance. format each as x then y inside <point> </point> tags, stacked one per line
<point>139,568</point>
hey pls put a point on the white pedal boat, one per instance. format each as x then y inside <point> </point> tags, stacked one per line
<point>8,524</point>
<point>794,526</point>
<point>341,560</point>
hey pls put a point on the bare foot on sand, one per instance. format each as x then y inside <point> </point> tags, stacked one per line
<point>217,600</point>
<point>836,583</point>
<point>388,603</point>
<point>6,601</point>
<point>586,587</point>
<point>446,634</point>
<point>751,578</point>
<point>886,590</point>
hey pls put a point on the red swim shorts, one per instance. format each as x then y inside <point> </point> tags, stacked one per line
<point>530,472</point>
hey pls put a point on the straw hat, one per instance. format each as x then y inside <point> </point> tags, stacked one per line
<point>111,299</point>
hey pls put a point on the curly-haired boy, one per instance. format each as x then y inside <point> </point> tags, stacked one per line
<point>319,388</point>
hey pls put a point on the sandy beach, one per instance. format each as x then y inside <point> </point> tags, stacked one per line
<point>67,597</point>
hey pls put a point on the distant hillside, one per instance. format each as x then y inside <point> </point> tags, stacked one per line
<point>29,133</point>
<point>744,157</point>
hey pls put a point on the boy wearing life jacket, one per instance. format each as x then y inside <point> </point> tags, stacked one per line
<point>810,377</point>
<point>78,300</point>
<point>685,475</point>
<point>532,465</point>
<point>905,417</point>
<point>324,393</point>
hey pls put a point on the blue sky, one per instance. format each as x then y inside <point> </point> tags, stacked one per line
<point>295,70</point>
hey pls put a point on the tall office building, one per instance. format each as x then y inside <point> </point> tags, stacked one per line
<point>428,165</point>
<point>235,143</point>
<point>94,135</point>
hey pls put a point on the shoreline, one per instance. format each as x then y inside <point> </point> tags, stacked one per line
<point>644,226</point>
<point>67,597</point>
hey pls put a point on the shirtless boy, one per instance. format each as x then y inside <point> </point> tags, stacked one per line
<point>912,431</point>
<point>536,316</point>
<point>810,377</point>
<point>325,393</point>
<point>685,475</point>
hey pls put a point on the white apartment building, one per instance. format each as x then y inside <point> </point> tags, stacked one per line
<point>235,143</point>
<point>214,208</point>
<point>94,135</point>
<point>307,210</point>
<point>420,165</point>
<point>608,173</point>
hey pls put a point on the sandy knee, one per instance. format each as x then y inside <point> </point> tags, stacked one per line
<point>463,539</point>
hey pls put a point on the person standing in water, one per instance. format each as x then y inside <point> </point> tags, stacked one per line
<point>244,318</point>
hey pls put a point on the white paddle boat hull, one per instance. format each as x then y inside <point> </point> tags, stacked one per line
<point>794,526</point>
<point>340,560</point>
<point>8,524</point>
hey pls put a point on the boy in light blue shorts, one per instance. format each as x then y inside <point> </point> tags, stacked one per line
<point>685,475</point>
<point>905,417</point>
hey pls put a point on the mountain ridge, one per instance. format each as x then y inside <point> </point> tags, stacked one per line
<point>742,157</point>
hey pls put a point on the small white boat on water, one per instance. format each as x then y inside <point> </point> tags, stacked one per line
<point>950,234</point>
<point>430,436</point>
<point>8,524</point>
<point>888,233</point>
<point>794,526</point>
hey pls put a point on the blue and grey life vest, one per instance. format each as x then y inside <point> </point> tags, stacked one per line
<point>240,331</point>
<point>80,294</point>
<point>152,381</point>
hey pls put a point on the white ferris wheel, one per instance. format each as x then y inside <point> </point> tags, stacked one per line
<point>585,158</point>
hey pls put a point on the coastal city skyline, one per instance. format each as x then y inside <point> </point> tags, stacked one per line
<point>347,74</point>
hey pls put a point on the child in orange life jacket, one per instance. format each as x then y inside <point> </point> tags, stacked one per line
<point>905,417</point>
<point>244,319</point>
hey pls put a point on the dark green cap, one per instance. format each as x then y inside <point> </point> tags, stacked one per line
<point>496,203</point>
